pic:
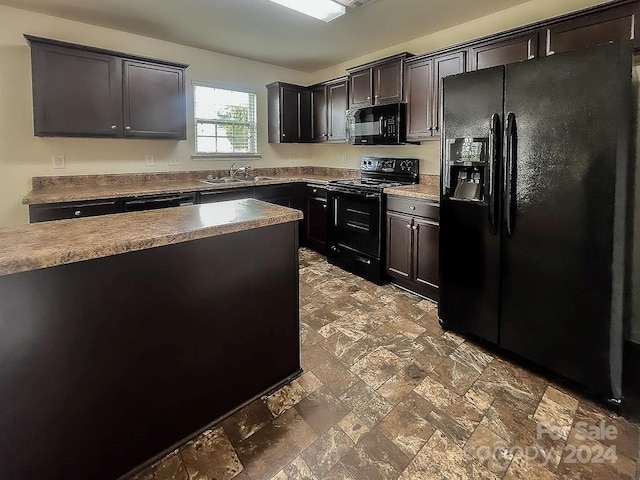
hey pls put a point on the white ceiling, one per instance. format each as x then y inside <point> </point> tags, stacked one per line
<point>264,31</point>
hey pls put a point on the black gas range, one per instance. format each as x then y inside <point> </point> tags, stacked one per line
<point>355,234</point>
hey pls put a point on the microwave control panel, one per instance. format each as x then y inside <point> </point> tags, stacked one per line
<point>389,126</point>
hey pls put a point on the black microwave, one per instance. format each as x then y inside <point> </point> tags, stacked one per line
<point>377,125</point>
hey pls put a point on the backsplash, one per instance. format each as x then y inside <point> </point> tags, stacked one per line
<point>39,183</point>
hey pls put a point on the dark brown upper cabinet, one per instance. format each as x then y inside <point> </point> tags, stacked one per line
<point>419,86</point>
<point>154,101</point>
<point>361,88</point>
<point>319,131</point>
<point>75,92</point>
<point>377,82</point>
<point>503,52</point>
<point>289,113</point>
<point>329,103</point>
<point>423,80</point>
<point>81,91</point>
<point>443,66</point>
<point>611,25</point>
<point>338,102</point>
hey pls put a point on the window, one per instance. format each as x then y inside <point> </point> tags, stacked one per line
<point>225,121</point>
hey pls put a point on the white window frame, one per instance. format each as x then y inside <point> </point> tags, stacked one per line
<point>233,155</point>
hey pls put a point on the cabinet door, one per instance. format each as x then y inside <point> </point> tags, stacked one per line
<point>76,92</point>
<point>387,82</point>
<point>425,253</point>
<point>516,49</point>
<point>290,114</point>
<point>337,111</point>
<point>316,223</point>
<point>361,88</point>
<point>399,245</point>
<point>154,101</point>
<point>319,114</point>
<point>444,66</point>
<point>616,25</point>
<point>419,87</point>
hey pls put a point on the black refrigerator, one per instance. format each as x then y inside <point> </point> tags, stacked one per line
<point>536,209</point>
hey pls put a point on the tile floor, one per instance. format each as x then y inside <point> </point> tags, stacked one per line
<point>387,394</point>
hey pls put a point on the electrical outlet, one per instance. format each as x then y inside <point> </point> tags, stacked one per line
<point>174,161</point>
<point>149,160</point>
<point>59,161</point>
<point>344,158</point>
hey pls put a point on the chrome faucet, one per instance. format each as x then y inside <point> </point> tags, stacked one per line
<point>244,170</point>
<point>232,172</point>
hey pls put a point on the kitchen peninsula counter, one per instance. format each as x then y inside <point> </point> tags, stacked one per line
<point>47,244</point>
<point>123,336</point>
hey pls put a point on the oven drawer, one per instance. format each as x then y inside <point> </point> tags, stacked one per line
<point>411,206</point>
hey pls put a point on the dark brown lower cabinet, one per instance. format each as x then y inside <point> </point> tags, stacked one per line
<point>412,245</point>
<point>95,355</point>
<point>399,235</point>
<point>316,223</point>
<point>225,195</point>
<point>63,211</point>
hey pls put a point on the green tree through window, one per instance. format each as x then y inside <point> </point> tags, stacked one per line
<point>225,121</point>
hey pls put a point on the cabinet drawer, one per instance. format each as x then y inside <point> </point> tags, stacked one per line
<point>46,213</point>
<point>410,206</point>
<point>225,195</point>
<point>314,191</point>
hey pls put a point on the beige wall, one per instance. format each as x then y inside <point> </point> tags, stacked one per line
<point>22,155</point>
<point>429,152</point>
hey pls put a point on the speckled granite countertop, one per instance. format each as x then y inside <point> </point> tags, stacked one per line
<point>421,191</point>
<point>47,244</point>
<point>67,193</point>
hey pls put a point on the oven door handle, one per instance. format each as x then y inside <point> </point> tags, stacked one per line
<point>334,189</point>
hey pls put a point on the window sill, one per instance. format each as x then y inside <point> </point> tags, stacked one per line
<point>224,156</point>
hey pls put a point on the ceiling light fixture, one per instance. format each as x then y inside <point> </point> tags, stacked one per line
<point>325,10</point>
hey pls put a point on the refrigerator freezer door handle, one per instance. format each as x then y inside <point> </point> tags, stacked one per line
<point>494,150</point>
<point>510,174</point>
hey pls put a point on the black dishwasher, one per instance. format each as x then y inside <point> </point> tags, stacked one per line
<point>153,202</point>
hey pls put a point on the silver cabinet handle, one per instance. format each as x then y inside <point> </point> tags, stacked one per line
<point>368,98</point>
<point>415,227</point>
<point>335,212</point>
<point>128,127</point>
<point>113,127</point>
<point>77,213</point>
<point>408,225</point>
<point>412,207</point>
<point>324,205</point>
<point>315,190</point>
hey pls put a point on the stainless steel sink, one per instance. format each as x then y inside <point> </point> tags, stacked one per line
<point>263,178</point>
<point>217,181</point>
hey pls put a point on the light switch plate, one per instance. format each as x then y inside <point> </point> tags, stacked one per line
<point>149,160</point>
<point>174,161</point>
